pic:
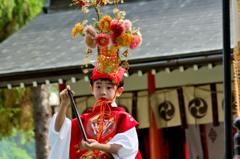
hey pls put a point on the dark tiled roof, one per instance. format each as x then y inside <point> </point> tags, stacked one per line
<point>169,28</point>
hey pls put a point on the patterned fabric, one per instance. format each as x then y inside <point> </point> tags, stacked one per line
<point>205,141</point>
<point>119,121</point>
<point>165,106</point>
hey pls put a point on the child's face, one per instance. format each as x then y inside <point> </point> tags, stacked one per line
<point>105,89</point>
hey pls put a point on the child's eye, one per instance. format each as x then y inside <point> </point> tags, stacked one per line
<point>109,87</point>
<point>98,87</point>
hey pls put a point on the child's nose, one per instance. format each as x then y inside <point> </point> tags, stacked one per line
<point>103,92</point>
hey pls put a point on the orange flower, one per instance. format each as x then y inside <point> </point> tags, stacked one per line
<point>105,23</point>
<point>78,27</point>
<point>124,40</point>
<point>74,33</point>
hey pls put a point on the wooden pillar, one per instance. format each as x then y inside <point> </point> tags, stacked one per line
<point>62,86</point>
<point>155,134</point>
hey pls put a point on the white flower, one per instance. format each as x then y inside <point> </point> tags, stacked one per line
<point>85,9</point>
<point>140,37</point>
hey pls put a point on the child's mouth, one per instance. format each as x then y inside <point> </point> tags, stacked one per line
<point>103,98</point>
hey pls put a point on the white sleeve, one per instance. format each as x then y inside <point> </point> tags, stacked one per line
<point>129,141</point>
<point>60,141</point>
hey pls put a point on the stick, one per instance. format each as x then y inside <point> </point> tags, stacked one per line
<point>77,115</point>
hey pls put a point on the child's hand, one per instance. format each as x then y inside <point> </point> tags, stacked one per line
<point>93,144</point>
<point>65,99</point>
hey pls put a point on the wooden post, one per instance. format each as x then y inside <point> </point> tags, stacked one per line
<point>155,134</point>
<point>62,86</point>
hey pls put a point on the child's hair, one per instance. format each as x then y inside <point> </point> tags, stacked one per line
<point>121,83</point>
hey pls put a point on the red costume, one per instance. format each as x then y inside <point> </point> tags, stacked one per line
<point>118,122</point>
<point>100,123</point>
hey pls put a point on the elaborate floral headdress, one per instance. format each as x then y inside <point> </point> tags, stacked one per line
<point>107,35</point>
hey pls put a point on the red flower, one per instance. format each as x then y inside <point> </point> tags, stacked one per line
<point>103,40</point>
<point>81,3</point>
<point>113,38</point>
<point>117,27</point>
<point>135,42</point>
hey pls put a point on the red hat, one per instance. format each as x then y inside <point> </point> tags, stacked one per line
<point>114,77</point>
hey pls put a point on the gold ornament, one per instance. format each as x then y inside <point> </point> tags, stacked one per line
<point>85,71</point>
<point>126,53</point>
<point>88,51</point>
<point>86,61</point>
<point>114,81</point>
<point>125,65</point>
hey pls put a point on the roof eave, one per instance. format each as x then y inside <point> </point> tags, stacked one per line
<point>65,73</point>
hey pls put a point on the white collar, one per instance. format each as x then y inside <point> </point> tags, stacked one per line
<point>113,104</point>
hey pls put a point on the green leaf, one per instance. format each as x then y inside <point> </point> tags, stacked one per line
<point>123,13</point>
<point>21,10</point>
<point>115,10</point>
<point>82,32</point>
<point>10,114</point>
<point>100,16</point>
<point>84,22</point>
<point>96,24</point>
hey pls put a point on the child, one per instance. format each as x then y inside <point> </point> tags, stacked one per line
<point>109,129</point>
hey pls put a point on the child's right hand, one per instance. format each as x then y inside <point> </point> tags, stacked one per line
<point>65,99</point>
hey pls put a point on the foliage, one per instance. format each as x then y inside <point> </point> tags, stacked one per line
<point>10,150</point>
<point>53,88</point>
<point>16,13</point>
<point>16,112</point>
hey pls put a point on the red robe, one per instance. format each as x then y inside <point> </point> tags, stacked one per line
<point>118,122</point>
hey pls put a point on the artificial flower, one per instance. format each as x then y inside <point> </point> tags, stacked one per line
<point>103,40</point>
<point>135,42</point>
<point>109,1</point>
<point>81,2</point>
<point>127,25</point>
<point>105,23</point>
<point>117,27</point>
<point>78,27</point>
<point>97,2</point>
<point>104,1</point>
<point>113,38</point>
<point>113,1</point>
<point>125,40</point>
<point>89,30</point>
<point>90,41</point>
<point>85,9</point>
<point>74,33</point>
<point>140,37</point>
